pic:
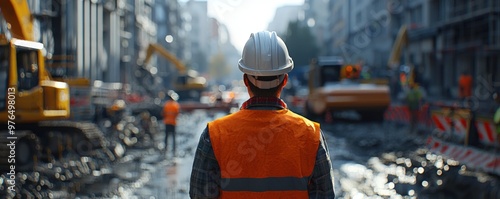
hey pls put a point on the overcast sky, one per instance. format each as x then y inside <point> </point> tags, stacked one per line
<point>243,17</point>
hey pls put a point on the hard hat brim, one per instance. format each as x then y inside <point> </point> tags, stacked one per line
<point>283,70</point>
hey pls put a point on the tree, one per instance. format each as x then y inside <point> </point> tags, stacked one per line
<point>301,43</point>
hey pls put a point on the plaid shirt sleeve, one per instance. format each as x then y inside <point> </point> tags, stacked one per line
<point>321,182</point>
<point>205,175</point>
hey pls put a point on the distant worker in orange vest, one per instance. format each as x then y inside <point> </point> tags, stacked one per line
<point>465,85</point>
<point>170,112</point>
<point>264,150</point>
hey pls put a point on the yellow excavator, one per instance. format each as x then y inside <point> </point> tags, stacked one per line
<point>34,108</point>
<point>187,80</point>
<point>405,71</point>
<point>187,83</point>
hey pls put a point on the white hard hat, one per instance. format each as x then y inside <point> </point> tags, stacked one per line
<point>265,54</point>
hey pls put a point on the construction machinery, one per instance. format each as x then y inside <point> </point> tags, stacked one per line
<point>186,81</point>
<point>190,87</point>
<point>34,107</point>
<point>405,71</point>
<point>335,86</point>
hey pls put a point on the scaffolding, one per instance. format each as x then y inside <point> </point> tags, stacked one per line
<point>473,22</point>
<point>470,38</point>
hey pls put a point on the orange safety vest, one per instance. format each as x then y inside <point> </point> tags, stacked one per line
<point>264,154</point>
<point>465,84</point>
<point>170,112</point>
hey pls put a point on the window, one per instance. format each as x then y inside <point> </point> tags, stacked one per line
<point>27,68</point>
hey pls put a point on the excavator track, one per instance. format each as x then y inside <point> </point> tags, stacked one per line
<point>84,138</point>
<point>61,155</point>
<point>11,159</point>
<point>51,140</point>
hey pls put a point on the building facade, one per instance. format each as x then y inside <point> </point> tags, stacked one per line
<point>198,32</point>
<point>171,35</point>
<point>282,17</point>
<point>94,39</point>
<point>444,39</point>
<point>359,31</point>
<point>447,38</point>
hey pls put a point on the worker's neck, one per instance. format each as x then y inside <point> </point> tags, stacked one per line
<point>252,95</point>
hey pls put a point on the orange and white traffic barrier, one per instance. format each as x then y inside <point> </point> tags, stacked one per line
<point>486,132</point>
<point>475,158</point>
<point>443,122</point>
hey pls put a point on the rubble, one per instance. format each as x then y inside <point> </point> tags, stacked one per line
<point>370,160</point>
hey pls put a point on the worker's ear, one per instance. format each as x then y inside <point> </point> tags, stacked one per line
<point>285,80</point>
<point>245,79</point>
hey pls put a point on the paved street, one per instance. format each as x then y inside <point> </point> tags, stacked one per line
<point>370,160</point>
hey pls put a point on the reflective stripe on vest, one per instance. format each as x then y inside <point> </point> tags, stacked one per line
<point>264,154</point>
<point>266,184</point>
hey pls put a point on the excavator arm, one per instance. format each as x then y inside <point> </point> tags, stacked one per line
<point>400,42</point>
<point>152,48</point>
<point>19,18</point>
<point>187,80</point>
<point>406,70</point>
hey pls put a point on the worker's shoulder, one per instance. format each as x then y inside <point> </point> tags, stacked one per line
<point>300,117</point>
<point>294,114</point>
<point>224,118</point>
<point>288,112</point>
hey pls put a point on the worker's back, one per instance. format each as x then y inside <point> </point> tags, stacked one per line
<point>170,111</point>
<point>267,150</point>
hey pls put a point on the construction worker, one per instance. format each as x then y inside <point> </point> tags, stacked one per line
<point>171,110</point>
<point>414,99</point>
<point>465,85</point>
<point>264,150</point>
